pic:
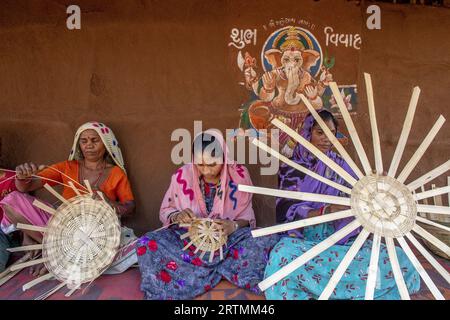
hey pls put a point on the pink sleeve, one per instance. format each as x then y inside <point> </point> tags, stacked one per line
<point>168,205</point>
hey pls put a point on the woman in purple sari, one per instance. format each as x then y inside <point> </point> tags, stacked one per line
<point>308,281</point>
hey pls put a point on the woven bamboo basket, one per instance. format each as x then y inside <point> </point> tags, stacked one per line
<point>81,240</point>
<point>206,235</point>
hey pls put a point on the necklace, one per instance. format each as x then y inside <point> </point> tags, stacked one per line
<point>95,184</point>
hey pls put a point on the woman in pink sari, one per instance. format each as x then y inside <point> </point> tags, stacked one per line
<point>206,188</point>
<point>6,186</point>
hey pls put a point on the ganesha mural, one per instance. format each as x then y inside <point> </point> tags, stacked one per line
<point>292,64</point>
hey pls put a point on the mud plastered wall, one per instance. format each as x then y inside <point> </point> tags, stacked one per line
<point>146,68</point>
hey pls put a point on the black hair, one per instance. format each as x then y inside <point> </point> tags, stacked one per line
<point>202,141</point>
<point>326,116</point>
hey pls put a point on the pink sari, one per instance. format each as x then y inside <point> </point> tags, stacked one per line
<point>184,192</point>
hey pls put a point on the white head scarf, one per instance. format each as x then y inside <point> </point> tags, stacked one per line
<point>108,138</point>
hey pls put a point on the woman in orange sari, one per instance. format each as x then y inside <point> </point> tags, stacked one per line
<point>96,157</point>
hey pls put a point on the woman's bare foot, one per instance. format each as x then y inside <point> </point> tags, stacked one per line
<point>39,269</point>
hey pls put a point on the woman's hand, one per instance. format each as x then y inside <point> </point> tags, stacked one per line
<point>27,170</point>
<point>228,226</point>
<point>184,216</point>
<point>336,207</point>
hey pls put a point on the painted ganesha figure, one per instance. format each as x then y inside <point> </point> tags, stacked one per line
<point>279,89</point>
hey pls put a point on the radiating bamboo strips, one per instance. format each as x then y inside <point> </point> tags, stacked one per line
<point>332,138</point>
<point>337,275</point>
<point>423,274</point>
<point>315,151</point>
<point>440,269</point>
<point>308,255</point>
<point>351,128</point>
<point>300,168</point>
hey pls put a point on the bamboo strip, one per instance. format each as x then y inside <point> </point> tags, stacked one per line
<point>373,267</point>
<point>28,264</point>
<point>71,291</point>
<point>36,281</point>
<point>432,193</point>
<point>437,200</point>
<point>404,294</point>
<point>8,277</point>
<point>423,274</point>
<point>88,185</point>
<point>308,255</point>
<point>30,227</point>
<point>44,207</point>
<point>440,269</point>
<point>184,236</point>
<point>302,223</point>
<point>6,272</point>
<point>433,209</point>
<point>448,182</point>
<point>373,124</point>
<point>351,128</point>
<point>50,292</point>
<point>75,189</point>
<point>300,168</point>
<point>56,194</point>
<point>332,138</point>
<point>315,151</point>
<point>427,177</point>
<point>337,275</point>
<point>71,180</point>
<point>304,196</point>
<point>421,150</point>
<point>26,248</point>
<point>407,124</point>
<point>435,241</point>
<point>431,223</point>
